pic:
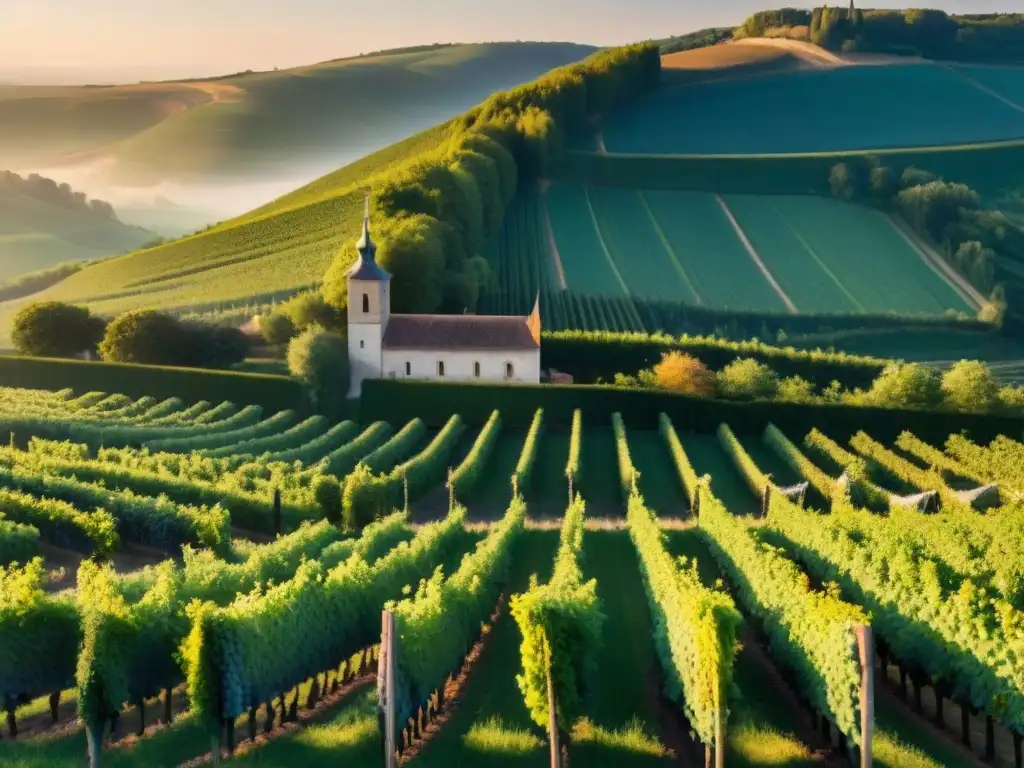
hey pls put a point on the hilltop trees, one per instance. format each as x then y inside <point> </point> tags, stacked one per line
<point>439,208</point>
<point>154,338</point>
<point>55,329</point>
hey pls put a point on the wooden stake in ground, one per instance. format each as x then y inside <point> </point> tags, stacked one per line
<point>386,686</point>
<point>865,647</point>
<point>552,719</point>
<point>719,734</point>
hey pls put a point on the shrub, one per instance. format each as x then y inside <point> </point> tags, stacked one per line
<point>310,308</point>
<point>747,379</point>
<point>968,386</point>
<point>906,385</point>
<point>277,328</point>
<point>796,390</point>
<point>143,336</point>
<point>155,338</point>
<point>684,373</point>
<point>327,491</point>
<point>54,329</point>
<point>319,359</point>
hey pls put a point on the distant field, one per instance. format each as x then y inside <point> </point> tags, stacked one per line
<point>826,110</point>
<point>262,123</point>
<point>825,256</point>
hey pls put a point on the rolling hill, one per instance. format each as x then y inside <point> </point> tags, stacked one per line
<point>41,225</point>
<point>260,124</point>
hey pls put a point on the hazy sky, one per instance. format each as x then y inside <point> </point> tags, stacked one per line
<point>175,38</point>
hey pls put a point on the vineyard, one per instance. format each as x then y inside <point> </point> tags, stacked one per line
<point>174,573</point>
<point>611,246</point>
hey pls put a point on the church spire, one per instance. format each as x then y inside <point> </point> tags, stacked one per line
<point>366,246</point>
<point>366,267</point>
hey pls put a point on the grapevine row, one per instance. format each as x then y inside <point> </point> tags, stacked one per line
<point>523,474</point>
<point>298,435</point>
<point>961,637</point>
<point>280,421</point>
<point>804,467</point>
<point>18,543</point>
<point>397,449</point>
<point>574,464</point>
<point>1002,461</point>
<point>863,492</point>
<point>435,628</point>
<point>756,480</point>
<point>561,625</point>
<point>129,650</point>
<point>466,476</point>
<point>247,653</point>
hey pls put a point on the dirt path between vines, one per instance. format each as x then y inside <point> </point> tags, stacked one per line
<point>754,255</point>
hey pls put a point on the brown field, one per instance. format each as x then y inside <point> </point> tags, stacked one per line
<point>725,56</point>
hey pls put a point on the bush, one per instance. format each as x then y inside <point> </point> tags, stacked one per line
<point>319,359</point>
<point>683,373</point>
<point>277,328</point>
<point>54,329</point>
<point>795,390</point>
<point>747,379</point>
<point>969,386</point>
<point>906,385</point>
<point>308,309</point>
<point>327,491</point>
<point>154,338</point>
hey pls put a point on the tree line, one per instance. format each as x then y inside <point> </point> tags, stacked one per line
<point>931,34</point>
<point>436,210</point>
<point>970,237</point>
<point>49,191</point>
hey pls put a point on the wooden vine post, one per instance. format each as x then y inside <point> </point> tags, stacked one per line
<point>556,752</point>
<point>451,490</point>
<point>865,648</point>
<point>386,686</point>
<point>277,511</point>
<point>405,491</point>
<point>719,734</point>
<point>766,498</point>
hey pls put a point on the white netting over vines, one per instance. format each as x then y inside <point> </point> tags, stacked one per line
<point>922,502</point>
<point>983,497</point>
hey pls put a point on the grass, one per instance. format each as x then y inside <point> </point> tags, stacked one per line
<point>659,480</point>
<point>599,484</point>
<point>845,108</point>
<point>623,725</point>
<point>495,490</point>
<point>708,458</point>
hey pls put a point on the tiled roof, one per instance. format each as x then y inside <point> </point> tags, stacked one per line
<point>460,332</point>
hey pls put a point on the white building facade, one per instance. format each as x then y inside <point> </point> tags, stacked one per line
<point>435,347</point>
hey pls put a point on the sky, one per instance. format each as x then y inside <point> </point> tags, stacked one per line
<point>133,39</point>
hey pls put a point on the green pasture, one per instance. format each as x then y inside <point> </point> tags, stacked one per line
<point>846,108</point>
<point>1007,82</point>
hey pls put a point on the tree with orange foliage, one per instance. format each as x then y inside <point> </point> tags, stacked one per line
<point>686,374</point>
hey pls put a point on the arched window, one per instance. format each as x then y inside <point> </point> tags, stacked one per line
<point>440,367</point>
<point>509,371</point>
<point>362,344</point>
<point>476,369</point>
<point>408,368</point>
<point>366,302</point>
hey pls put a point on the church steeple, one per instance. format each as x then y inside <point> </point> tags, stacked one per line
<point>366,267</point>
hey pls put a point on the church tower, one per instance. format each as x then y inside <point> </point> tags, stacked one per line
<point>369,307</point>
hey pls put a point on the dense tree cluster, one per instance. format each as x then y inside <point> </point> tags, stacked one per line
<point>436,211</point>
<point>931,34</point>
<point>49,191</point>
<point>55,329</point>
<point>702,38</point>
<point>33,282</point>
<point>949,214</point>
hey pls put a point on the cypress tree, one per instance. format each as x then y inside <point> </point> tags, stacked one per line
<point>815,24</point>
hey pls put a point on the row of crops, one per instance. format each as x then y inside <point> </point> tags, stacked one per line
<point>241,632</point>
<point>629,256</point>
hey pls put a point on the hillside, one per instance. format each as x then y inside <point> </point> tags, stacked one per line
<point>254,125</point>
<point>42,225</point>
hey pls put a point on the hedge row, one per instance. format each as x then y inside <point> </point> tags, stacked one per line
<point>274,393</point>
<point>593,355</point>
<point>528,457</point>
<point>434,402</point>
<point>466,476</point>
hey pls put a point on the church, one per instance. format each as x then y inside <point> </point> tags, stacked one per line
<point>437,347</point>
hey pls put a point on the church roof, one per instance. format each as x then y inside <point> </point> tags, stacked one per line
<point>366,266</point>
<point>462,332</point>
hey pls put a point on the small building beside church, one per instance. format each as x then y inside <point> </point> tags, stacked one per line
<point>438,347</point>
